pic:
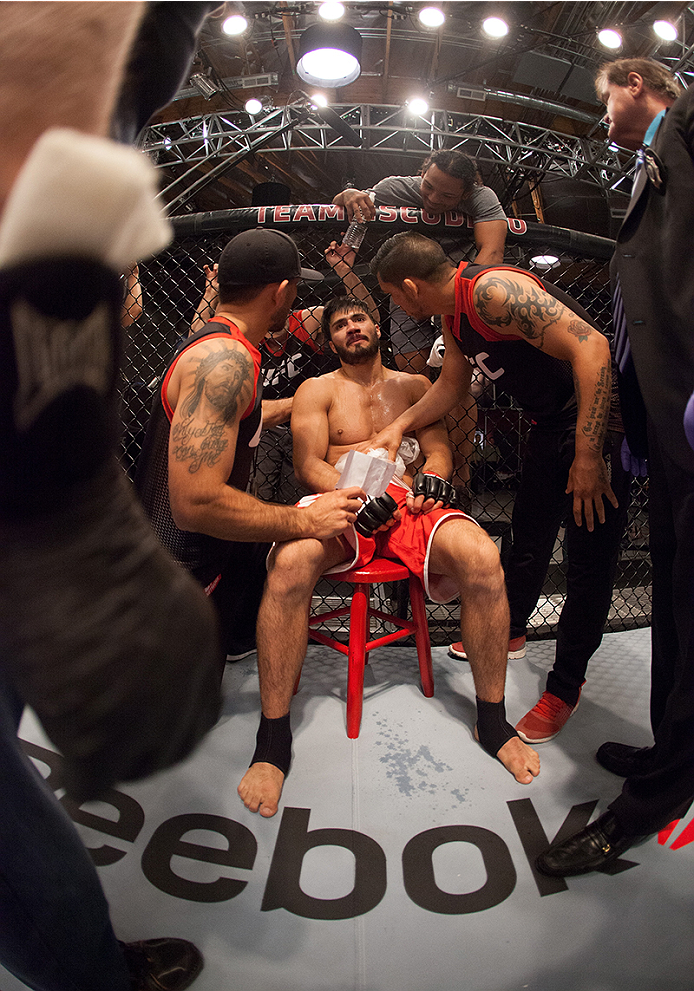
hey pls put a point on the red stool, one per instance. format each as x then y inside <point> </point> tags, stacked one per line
<point>360,612</point>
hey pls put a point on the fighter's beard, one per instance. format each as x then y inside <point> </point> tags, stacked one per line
<point>360,355</point>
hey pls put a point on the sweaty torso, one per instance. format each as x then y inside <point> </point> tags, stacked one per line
<point>358,412</point>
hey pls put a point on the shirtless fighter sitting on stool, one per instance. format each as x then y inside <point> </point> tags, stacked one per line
<point>331,415</point>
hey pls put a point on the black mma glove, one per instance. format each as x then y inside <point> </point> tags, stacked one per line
<point>374,514</point>
<point>434,487</point>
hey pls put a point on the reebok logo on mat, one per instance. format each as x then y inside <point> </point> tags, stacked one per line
<point>181,838</point>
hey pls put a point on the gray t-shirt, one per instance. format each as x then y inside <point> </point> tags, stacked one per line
<point>404,190</point>
<point>482,204</point>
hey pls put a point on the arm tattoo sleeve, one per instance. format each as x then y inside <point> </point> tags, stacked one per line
<point>501,301</point>
<point>213,403</point>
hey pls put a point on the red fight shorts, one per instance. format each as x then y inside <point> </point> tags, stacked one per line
<point>409,542</point>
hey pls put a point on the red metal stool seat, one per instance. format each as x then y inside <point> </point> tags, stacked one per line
<point>360,612</point>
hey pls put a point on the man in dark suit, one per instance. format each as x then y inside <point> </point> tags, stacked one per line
<point>653,283</point>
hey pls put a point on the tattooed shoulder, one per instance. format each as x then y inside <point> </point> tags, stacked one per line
<point>221,389</point>
<point>490,296</point>
<point>505,300</point>
<point>222,383</point>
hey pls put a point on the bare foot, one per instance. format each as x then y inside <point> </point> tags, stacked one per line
<point>521,760</point>
<point>517,757</point>
<point>261,787</point>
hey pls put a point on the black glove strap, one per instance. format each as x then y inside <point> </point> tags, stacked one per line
<point>434,487</point>
<point>374,514</point>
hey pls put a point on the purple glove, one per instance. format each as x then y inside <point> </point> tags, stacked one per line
<point>689,420</point>
<point>638,467</point>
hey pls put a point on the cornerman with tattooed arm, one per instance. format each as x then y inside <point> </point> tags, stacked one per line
<point>543,349</point>
<point>205,425</point>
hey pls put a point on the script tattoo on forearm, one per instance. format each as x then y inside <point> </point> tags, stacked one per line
<point>212,404</point>
<point>596,421</point>
<point>502,302</point>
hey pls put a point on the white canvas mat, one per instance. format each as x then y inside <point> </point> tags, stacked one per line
<point>414,817</point>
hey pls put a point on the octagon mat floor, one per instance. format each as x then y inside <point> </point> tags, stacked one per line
<point>400,861</point>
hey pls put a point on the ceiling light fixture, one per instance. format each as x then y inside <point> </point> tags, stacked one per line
<point>417,106</point>
<point>253,106</point>
<point>665,30</point>
<point>204,85</point>
<point>319,99</point>
<point>236,24</point>
<point>331,11</point>
<point>610,38</point>
<point>329,55</point>
<point>495,27</point>
<point>545,261</point>
<point>432,17</point>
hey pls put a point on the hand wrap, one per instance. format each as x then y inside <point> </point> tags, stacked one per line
<point>374,514</point>
<point>434,487</point>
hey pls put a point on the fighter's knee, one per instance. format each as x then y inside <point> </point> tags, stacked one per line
<point>480,566</point>
<point>293,565</point>
<point>489,556</point>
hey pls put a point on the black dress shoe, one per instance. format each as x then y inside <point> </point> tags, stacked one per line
<point>165,964</point>
<point>620,758</point>
<point>588,850</point>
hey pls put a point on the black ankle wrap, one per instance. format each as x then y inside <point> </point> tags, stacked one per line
<point>492,728</point>
<point>273,743</point>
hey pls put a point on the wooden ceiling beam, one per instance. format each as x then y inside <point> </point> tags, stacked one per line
<point>288,24</point>
<point>435,56</point>
<point>386,60</point>
<point>538,203</point>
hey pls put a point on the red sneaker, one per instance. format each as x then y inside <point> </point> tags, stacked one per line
<point>545,719</point>
<point>516,649</point>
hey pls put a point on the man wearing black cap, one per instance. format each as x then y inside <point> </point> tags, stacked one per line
<point>204,427</point>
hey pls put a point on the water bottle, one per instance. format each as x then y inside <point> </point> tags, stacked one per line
<point>355,233</point>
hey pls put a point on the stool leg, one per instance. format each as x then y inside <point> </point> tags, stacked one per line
<point>358,621</point>
<point>419,617</point>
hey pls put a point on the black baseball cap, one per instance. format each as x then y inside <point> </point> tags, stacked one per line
<point>259,257</point>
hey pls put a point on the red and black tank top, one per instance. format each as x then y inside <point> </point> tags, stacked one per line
<point>201,554</point>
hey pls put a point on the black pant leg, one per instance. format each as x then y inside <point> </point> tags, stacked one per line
<point>239,592</point>
<point>592,559</point>
<point>538,511</point>
<point>649,801</point>
<point>671,525</point>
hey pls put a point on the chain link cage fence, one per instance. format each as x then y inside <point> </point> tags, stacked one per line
<point>490,439</point>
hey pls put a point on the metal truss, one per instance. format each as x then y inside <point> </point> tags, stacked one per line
<point>218,142</point>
